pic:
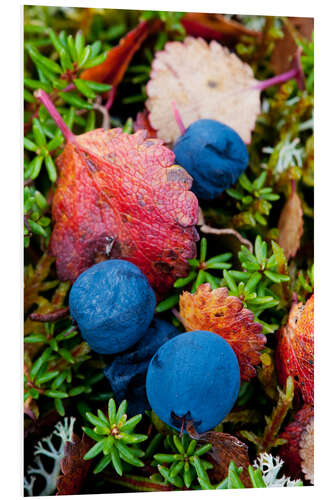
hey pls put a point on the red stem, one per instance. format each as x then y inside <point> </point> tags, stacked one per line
<point>111,95</point>
<point>47,102</point>
<point>178,118</point>
<point>276,80</point>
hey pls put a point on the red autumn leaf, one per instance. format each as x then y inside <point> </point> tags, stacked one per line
<point>113,68</point>
<point>297,453</point>
<point>120,196</point>
<point>295,349</point>
<point>74,469</point>
<point>215,27</point>
<point>290,226</point>
<point>215,311</point>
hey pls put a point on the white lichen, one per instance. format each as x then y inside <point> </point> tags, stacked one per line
<point>47,446</point>
<point>289,154</point>
<point>270,468</point>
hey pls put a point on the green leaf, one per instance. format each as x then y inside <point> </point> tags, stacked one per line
<point>219,258</point>
<point>203,449</point>
<point>46,377</point>
<point>51,168</point>
<point>34,338</point>
<point>92,434</point>
<point>95,61</point>
<point>84,56</point>
<point>29,145</point>
<point>121,411</point>
<point>97,422</point>
<point>71,47</point>
<point>260,181</point>
<point>178,445</point>
<point>275,277</point>
<point>256,478</point>
<point>59,407</point>
<point>45,62</point>
<point>126,455</point>
<point>116,462</point>
<point>56,394</point>
<point>181,282</point>
<point>245,183</point>
<point>98,87</point>
<point>103,418</point>
<point>79,43</point>
<point>203,249</point>
<point>102,464</point>
<point>167,303</point>
<point>230,282</point>
<point>95,450</point>
<point>131,423</point>
<point>75,101</point>
<point>252,283</point>
<point>112,411</point>
<point>164,458</point>
<point>35,166</point>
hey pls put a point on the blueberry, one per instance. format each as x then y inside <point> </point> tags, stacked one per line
<point>127,373</point>
<point>113,305</point>
<point>213,154</point>
<point>194,376</point>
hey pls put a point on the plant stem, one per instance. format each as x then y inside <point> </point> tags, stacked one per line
<point>276,80</point>
<point>178,118</point>
<point>47,102</point>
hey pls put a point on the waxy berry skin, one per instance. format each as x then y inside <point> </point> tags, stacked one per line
<point>113,305</point>
<point>127,373</point>
<point>213,154</point>
<point>194,375</point>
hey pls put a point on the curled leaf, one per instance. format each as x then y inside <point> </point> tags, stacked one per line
<point>215,311</point>
<point>113,68</point>
<point>291,226</point>
<point>74,469</point>
<point>223,89</point>
<point>295,349</point>
<point>297,453</point>
<point>120,196</point>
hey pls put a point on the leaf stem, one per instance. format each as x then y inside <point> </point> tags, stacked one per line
<point>47,102</point>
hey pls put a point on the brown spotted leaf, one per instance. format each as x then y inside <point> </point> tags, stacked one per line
<point>291,226</point>
<point>295,349</point>
<point>120,196</point>
<point>223,314</point>
<point>224,89</point>
<point>74,469</point>
<point>225,448</point>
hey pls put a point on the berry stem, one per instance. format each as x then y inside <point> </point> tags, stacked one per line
<point>276,80</point>
<point>47,102</point>
<point>178,118</point>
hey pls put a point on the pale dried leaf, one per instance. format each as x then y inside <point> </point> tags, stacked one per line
<point>205,81</point>
<point>291,226</point>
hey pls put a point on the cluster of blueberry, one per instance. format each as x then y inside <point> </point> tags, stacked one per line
<point>191,376</point>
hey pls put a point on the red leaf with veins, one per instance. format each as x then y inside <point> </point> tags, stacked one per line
<point>295,349</point>
<point>120,196</point>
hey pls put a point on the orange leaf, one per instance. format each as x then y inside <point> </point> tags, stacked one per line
<point>290,226</point>
<point>113,68</point>
<point>215,311</point>
<point>120,196</point>
<point>295,349</point>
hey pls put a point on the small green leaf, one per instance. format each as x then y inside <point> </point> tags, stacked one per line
<point>56,394</point>
<point>51,168</point>
<point>112,411</point>
<point>131,423</point>
<point>167,303</point>
<point>121,411</point>
<point>116,462</point>
<point>102,464</point>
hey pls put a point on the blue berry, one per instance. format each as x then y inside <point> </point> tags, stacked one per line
<point>193,377</point>
<point>113,305</point>
<point>213,154</point>
<point>127,373</point>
